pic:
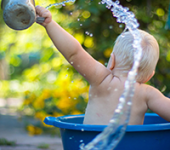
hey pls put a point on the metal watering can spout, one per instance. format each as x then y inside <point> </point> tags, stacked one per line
<point>19,14</point>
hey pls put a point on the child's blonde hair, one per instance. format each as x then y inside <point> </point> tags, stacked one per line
<point>124,52</point>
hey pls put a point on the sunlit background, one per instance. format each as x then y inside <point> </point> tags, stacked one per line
<point>37,77</point>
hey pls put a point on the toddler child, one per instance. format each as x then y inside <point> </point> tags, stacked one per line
<point>107,83</point>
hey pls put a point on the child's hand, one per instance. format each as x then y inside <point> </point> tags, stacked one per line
<point>42,12</point>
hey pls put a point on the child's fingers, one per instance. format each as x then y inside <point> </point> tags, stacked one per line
<point>45,13</point>
<point>40,10</point>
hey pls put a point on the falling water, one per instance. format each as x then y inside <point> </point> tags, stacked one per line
<point>61,3</point>
<point>111,135</point>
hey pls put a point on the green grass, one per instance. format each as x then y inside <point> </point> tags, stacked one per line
<point>43,146</point>
<point>3,141</point>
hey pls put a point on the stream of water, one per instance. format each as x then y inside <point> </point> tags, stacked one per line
<point>61,3</point>
<point>112,135</point>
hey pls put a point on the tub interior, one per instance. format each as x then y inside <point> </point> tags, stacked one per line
<point>149,119</point>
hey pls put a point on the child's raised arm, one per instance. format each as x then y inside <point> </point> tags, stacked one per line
<point>158,103</point>
<point>93,71</point>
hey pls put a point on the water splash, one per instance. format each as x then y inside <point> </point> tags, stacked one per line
<point>112,135</point>
<point>60,4</point>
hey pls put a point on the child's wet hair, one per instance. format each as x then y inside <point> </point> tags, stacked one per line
<point>124,54</point>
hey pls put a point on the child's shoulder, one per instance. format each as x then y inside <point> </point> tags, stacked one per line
<point>147,90</point>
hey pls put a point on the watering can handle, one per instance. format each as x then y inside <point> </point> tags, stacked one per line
<point>40,19</point>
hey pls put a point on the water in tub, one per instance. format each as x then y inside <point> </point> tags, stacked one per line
<point>108,139</point>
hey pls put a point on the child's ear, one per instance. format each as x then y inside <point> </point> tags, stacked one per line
<point>150,77</point>
<point>112,63</point>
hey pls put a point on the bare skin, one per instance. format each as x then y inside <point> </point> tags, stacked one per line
<point>106,84</point>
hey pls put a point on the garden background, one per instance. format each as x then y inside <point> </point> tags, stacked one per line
<point>33,70</point>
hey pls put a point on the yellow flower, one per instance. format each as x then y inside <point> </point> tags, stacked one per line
<point>59,93</point>
<point>79,37</point>
<point>89,43</point>
<point>38,103</point>
<point>76,112</point>
<point>86,14</point>
<point>46,93</point>
<point>32,130</point>
<point>65,103</point>
<point>107,52</point>
<point>27,101</point>
<point>56,114</point>
<point>27,92</point>
<point>160,12</point>
<point>46,125</point>
<point>40,115</point>
<point>32,97</point>
<point>56,62</point>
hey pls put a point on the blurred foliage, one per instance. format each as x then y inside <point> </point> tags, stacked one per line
<point>5,142</point>
<point>49,85</point>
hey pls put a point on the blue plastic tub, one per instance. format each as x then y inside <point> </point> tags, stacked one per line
<point>153,135</point>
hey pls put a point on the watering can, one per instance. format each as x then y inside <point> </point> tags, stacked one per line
<point>20,14</point>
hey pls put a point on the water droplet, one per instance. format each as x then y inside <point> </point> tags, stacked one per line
<point>81,146</point>
<point>102,2</point>
<point>91,34</point>
<point>71,13</point>
<point>82,129</point>
<point>116,90</point>
<point>110,27</point>
<point>112,121</point>
<point>120,107</point>
<point>71,63</point>
<point>66,76</point>
<point>81,141</point>
<point>129,103</point>
<point>81,24</point>
<point>78,19</point>
<point>121,99</point>
<point>72,81</point>
<point>87,33</point>
<point>117,111</point>
<point>117,2</point>
<point>120,26</point>
<point>75,98</point>
<point>105,64</point>
<point>71,137</point>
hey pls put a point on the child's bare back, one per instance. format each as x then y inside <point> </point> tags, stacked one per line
<point>107,83</point>
<point>104,99</point>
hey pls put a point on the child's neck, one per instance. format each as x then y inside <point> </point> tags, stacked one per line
<point>121,74</point>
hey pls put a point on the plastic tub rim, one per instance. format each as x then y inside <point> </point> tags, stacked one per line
<point>57,122</point>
